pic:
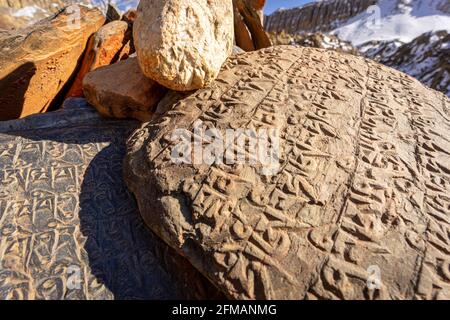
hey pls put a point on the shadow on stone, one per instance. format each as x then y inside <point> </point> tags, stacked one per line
<point>119,256</point>
<point>13,88</point>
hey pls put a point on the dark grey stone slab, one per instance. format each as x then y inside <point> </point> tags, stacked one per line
<point>69,228</point>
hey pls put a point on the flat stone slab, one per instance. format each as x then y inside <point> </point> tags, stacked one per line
<point>69,229</point>
<point>356,206</point>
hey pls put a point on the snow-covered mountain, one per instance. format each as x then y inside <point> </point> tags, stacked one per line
<point>20,13</point>
<point>315,40</point>
<point>409,35</point>
<point>359,21</point>
<point>426,58</point>
<point>390,20</point>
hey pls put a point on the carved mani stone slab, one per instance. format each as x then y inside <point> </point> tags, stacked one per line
<point>69,229</point>
<point>360,205</point>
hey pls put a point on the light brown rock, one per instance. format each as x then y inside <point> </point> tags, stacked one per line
<point>358,207</point>
<point>104,48</point>
<point>37,63</point>
<point>182,44</point>
<point>122,91</point>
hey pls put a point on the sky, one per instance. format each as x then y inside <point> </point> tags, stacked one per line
<point>272,5</point>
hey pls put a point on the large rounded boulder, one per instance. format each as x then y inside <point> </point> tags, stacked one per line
<point>346,196</point>
<point>182,44</point>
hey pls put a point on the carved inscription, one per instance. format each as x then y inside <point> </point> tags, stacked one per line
<point>364,183</point>
<point>69,228</point>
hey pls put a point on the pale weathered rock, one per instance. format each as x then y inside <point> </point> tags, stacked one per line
<point>104,48</point>
<point>122,91</point>
<point>356,207</point>
<point>36,63</point>
<point>182,44</point>
<point>66,215</point>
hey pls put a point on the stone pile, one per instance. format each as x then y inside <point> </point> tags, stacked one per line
<point>48,61</point>
<point>122,91</point>
<point>353,204</point>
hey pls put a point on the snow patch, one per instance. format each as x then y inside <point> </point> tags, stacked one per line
<point>403,20</point>
<point>29,12</point>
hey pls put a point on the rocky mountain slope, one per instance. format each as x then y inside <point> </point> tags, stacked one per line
<point>427,58</point>
<point>359,21</point>
<point>314,40</point>
<point>323,16</point>
<point>410,36</point>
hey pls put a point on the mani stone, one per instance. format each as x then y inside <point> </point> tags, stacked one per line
<point>104,48</point>
<point>356,207</point>
<point>69,229</point>
<point>182,44</point>
<point>122,91</point>
<point>38,62</point>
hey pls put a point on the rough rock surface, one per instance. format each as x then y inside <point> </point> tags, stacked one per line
<point>104,48</point>
<point>122,91</point>
<point>182,44</point>
<point>37,62</point>
<point>65,214</point>
<point>363,182</point>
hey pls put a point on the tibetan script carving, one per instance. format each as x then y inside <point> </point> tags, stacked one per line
<point>360,205</point>
<point>69,229</point>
